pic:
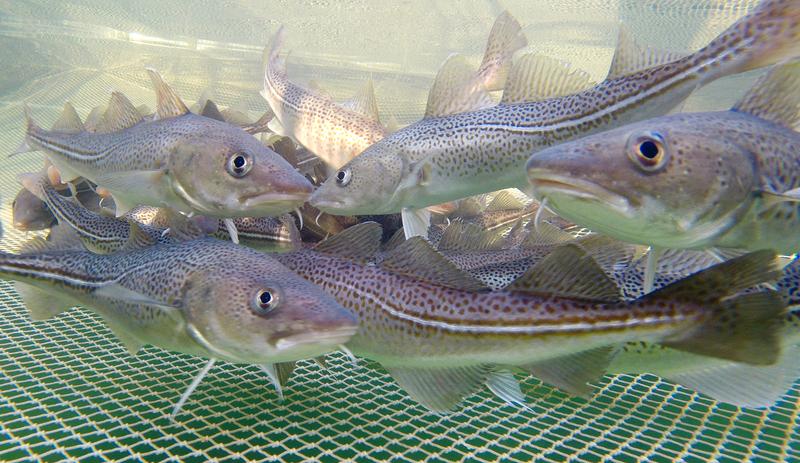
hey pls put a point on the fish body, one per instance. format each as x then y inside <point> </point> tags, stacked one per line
<point>202,297</point>
<point>187,162</point>
<point>411,322</point>
<point>446,157</point>
<point>332,131</point>
<point>718,179</point>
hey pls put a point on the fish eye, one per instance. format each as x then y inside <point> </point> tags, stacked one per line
<point>239,164</point>
<point>265,301</point>
<point>648,152</point>
<point>343,177</point>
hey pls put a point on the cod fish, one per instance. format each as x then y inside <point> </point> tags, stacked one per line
<point>728,179</point>
<point>145,225</point>
<point>338,132</point>
<point>206,297</point>
<point>559,321</point>
<point>449,156</point>
<point>186,162</point>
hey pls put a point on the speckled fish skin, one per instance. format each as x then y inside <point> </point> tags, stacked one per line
<point>181,164</point>
<point>334,133</point>
<point>461,327</point>
<point>201,299</point>
<point>707,193</point>
<point>441,159</point>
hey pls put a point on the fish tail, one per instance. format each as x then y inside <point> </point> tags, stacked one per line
<point>743,328</point>
<point>272,58</point>
<point>504,40</point>
<point>766,36</point>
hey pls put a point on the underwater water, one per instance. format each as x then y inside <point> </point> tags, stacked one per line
<point>70,392</point>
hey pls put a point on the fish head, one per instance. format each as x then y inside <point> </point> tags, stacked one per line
<point>670,185</point>
<point>257,311</point>
<point>235,177</point>
<point>30,213</point>
<point>371,183</point>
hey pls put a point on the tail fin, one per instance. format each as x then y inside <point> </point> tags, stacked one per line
<point>504,40</point>
<point>742,328</point>
<point>766,36</point>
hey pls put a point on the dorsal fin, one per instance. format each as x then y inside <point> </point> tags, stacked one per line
<point>460,236</point>
<point>545,234</point>
<point>259,126</point>
<point>397,238</point>
<point>469,207</point>
<point>504,40</point>
<point>197,107</point>
<point>360,242</point>
<point>416,258</point>
<point>120,114</point>
<point>534,77</point>
<point>456,89</point>
<point>211,111</point>
<point>775,96</point>
<point>630,57</point>
<point>503,201</point>
<point>168,103</point>
<point>569,272</point>
<point>137,237</point>
<point>94,119</point>
<point>69,121</point>
<point>364,102</point>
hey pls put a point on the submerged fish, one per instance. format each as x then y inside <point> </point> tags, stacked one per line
<point>207,297</point>
<point>450,156</point>
<point>563,312</point>
<point>104,234</point>
<point>727,179</point>
<point>187,162</point>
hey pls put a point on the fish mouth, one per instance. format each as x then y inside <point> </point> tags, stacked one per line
<point>318,338</point>
<point>325,204</point>
<point>252,201</point>
<point>547,184</point>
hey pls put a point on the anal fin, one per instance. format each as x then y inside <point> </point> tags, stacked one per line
<point>439,389</point>
<point>573,372</point>
<point>42,304</point>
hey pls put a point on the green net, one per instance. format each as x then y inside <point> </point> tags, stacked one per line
<point>70,392</point>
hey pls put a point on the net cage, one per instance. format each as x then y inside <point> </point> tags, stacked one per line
<point>70,392</point>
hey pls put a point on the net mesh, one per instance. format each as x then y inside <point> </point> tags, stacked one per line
<point>70,391</point>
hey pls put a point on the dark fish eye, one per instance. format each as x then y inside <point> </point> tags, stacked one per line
<point>239,164</point>
<point>343,177</point>
<point>265,301</point>
<point>648,152</point>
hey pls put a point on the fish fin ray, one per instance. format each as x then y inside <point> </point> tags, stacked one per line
<point>505,39</point>
<point>415,222</point>
<point>630,57</point>
<point>364,102</point>
<point>535,77</point>
<point>360,242</point>
<point>211,111</point>
<point>568,271</point>
<point>439,389</point>
<point>454,90</point>
<point>505,386</point>
<point>505,200</point>
<point>573,372</point>
<point>119,114</point>
<point>69,121</point>
<point>775,97</point>
<point>460,236</point>
<point>169,104</point>
<point>416,258</point>
<point>43,304</point>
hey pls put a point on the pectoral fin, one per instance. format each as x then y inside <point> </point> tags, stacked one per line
<point>416,222</point>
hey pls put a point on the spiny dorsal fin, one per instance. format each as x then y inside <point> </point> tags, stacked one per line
<point>211,111</point>
<point>360,242</point>
<point>546,234</point>
<point>569,272</point>
<point>120,114</point>
<point>534,77</point>
<point>456,89</point>
<point>94,119</point>
<point>69,121</point>
<point>505,200</point>
<point>137,237</point>
<point>630,57</point>
<point>504,40</point>
<point>459,236</point>
<point>775,96</point>
<point>168,103</point>
<point>259,126</point>
<point>416,258</point>
<point>364,102</point>
<point>469,207</point>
